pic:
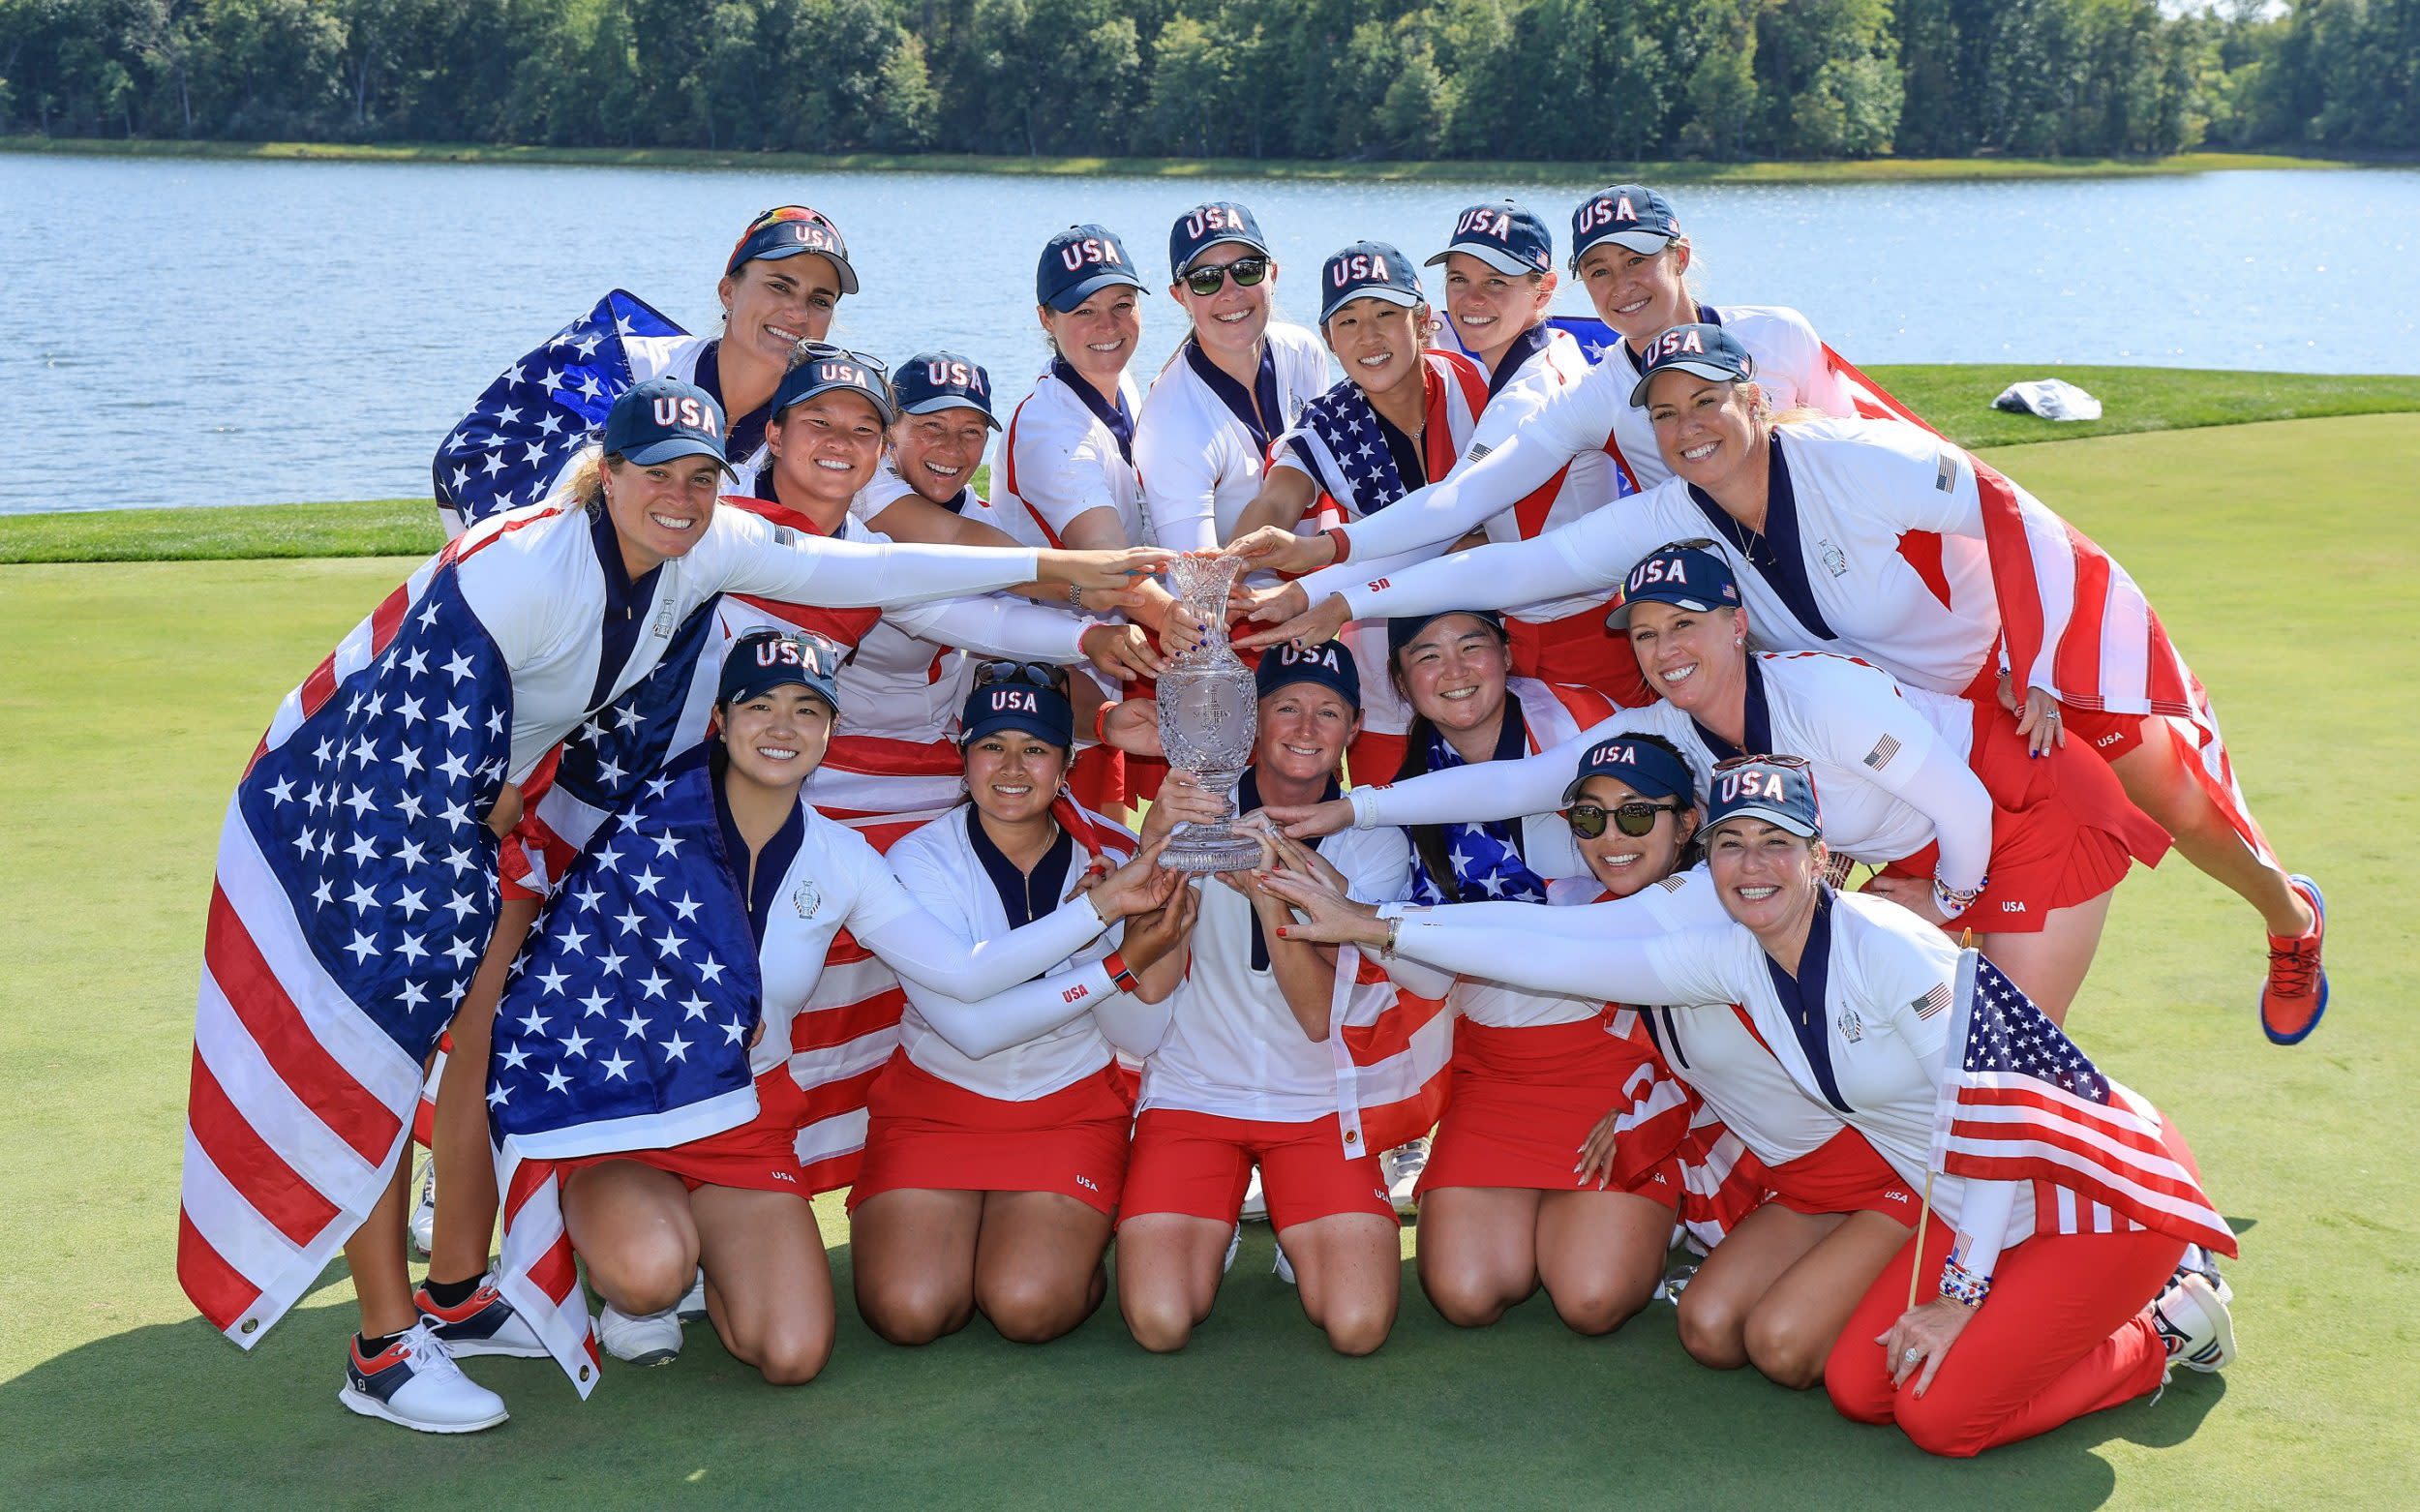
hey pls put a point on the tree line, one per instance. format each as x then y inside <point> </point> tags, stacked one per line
<point>1580,81</point>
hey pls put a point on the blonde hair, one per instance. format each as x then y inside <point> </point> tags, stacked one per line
<point>584,484</point>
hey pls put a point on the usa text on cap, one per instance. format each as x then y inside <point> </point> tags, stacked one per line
<point>663,418</point>
<point>1776,789</point>
<point>1687,576</point>
<point>1207,226</point>
<point>788,231</point>
<point>1017,696</point>
<point>1708,350</point>
<point>1631,214</point>
<point>763,660</point>
<point>1368,270</point>
<point>1505,235</point>
<point>1643,767</point>
<point>1078,264</point>
<point>936,380</point>
<point>1327,663</point>
<point>822,368</point>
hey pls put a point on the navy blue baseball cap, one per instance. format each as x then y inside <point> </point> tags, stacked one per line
<point>1505,234</point>
<point>1404,629</point>
<point>790,231</point>
<point>1631,214</point>
<point>1329,663</point>
<point>932,381</point>
<point>1646,767</point>
<point>663,418</point>
<point>1368,270</point>
<point>821,367</point>
<point>1017,695</point>
<point>763,660</point>
<point>1078,264</point>
<point>1207,226</point>
<point>1779,790</point>
<point>1685,573</point>
<point>1708,350</point>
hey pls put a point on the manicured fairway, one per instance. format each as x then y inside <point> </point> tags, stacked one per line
<point>2284,558</point>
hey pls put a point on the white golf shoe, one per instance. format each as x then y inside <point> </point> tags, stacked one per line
<point>414,1382</point>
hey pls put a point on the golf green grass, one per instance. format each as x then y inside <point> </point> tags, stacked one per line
<point>2281,557</point>
<point>1957,397</point>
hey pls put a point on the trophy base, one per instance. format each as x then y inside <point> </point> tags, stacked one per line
<point>1201,855</point>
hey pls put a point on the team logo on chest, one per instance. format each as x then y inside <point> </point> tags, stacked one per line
<point>1852,1027</point>
<point>808,898</point>
<point>1834,559</point>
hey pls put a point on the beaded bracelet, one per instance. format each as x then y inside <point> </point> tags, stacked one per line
<point>1952,901</point>
<point>1963,1285</point>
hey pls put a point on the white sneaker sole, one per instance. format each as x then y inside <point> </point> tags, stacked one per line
<point>2222,1348</point>
<point>647,1359</point>
<point>368,1405</point>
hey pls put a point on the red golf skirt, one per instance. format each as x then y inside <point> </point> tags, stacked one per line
<point>1579,649</point>
<point>1522,1101</point>
<point>1845,1175</point>
<point>925,1133</point>
<point>2062,830</point>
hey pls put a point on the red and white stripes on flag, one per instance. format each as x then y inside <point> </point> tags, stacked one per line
<point>2020,1103</point>
<point>1720,1180</point>
<point>2073,623</point>
<point>1391,1049</point>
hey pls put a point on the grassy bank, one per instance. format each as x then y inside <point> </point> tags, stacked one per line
<point>1509,172</point>
<point>117,1395</point>
<point>1957,397</point>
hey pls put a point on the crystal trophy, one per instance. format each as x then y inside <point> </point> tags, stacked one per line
<point>1209,714</point>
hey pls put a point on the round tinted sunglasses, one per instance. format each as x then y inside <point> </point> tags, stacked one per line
<point>1634,819</point>
<point>1246,271</point>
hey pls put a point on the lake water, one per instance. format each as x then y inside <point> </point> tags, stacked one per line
<point>185,332</point>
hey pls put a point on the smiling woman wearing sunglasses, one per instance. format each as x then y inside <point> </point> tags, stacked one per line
<point>1231,390</point>
<point>2045,1287</point>
<point>2027,853</point>
<point>995,1150</point>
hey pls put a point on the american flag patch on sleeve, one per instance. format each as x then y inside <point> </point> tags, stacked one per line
<point>1931,1003</point>
<point>1946,477</point>
<point>1884,749</point>
<point>1476,451</point>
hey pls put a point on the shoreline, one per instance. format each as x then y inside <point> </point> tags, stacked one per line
<point>690,159</point>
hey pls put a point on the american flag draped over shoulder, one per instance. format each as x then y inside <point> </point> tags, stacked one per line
<point>354,894</point>
<point>627,1027</point>
<point>1337,437</point>
<point>528,423</point>
<point>2021,1102</point>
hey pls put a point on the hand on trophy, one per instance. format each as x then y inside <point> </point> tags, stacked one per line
<point>1209,712</point>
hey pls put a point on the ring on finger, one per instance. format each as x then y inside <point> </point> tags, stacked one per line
<point>1911,1354</point>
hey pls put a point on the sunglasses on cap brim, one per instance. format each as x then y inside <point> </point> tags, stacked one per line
<point>1634,819</point>
<point>1245,271</point>
<point>1023,674</point>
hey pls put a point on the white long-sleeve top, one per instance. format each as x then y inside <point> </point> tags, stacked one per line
<point>1039,1035</point>
<point>1532,431</point>
<point>543,578</point>
<point>1861,1028</point>
<point>1891,764</point>
<point>1233,1047</point>
<point>1826,573</point>
<point>817,877</point>
<point>1201,463</point>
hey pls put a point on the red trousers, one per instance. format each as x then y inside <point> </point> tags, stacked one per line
<point>2065,1332</point>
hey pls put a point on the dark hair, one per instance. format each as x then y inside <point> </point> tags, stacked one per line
<point>1428,841</point>
<point>1693,849</point>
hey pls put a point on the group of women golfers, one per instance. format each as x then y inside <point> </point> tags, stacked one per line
<point>1690,791</point>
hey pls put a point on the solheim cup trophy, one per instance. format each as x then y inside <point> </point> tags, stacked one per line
<point>1208,717</point>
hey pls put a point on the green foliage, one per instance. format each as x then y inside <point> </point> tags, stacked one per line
<point>1562,81</point>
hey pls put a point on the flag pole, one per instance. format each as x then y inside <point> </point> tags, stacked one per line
<point>1925,1212</point>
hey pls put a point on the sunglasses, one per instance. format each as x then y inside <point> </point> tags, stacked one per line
<point>1633,819</point>
<point>1246,271</point>
<point>1792,763</point>
<point>1023,674</point>
<point>809,350</point>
